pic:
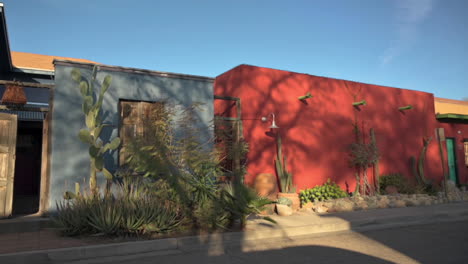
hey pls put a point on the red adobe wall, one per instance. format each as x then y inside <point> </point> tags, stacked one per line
<point>316,134</point>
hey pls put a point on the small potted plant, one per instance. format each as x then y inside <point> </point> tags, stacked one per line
<point>285,178</point>
<point>283,206</point>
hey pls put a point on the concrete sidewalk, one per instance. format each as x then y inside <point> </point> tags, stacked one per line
<point>300,224</point>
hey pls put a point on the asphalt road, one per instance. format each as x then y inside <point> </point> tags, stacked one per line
<point>435,243</point>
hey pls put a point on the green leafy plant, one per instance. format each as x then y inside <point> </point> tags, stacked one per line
<point>329,190</point>
<point>91,107</point>
<point>285,177</point>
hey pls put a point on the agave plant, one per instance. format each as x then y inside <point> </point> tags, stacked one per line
<point>71,217</point>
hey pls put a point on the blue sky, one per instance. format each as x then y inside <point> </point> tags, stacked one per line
<point>413,44</point>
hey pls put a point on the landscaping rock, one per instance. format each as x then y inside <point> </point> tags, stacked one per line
<point>360,205</point>
<point>343,205</point>
<point>283,210</point>
<point>329,204</point>
<point>320,208</point>
<point>307,205</point>
<point>453,193</point>
<point>426,201</point>
<point>383,202</point>
<point>358,198</point>
<point>465,196</point>
<point>397,204</point>
<point>412,202</point>
<point>372,204</point>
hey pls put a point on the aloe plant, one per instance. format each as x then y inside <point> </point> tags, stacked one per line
<point>91,107</point>
<point>284,176</point>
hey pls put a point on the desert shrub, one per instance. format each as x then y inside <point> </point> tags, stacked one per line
<point>398,180</point>
<point>329,190</point>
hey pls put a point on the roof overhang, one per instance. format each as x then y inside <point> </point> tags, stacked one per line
<point>453,118</point>
<point>33,71</point>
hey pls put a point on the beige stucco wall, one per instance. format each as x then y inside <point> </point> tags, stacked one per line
<point>449,106</point>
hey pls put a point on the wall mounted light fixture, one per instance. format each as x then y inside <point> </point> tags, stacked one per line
<point>273,123</point>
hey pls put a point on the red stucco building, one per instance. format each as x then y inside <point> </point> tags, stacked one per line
<point>316,132</point>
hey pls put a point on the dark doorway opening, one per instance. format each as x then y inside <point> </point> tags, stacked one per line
<point>27,168</point>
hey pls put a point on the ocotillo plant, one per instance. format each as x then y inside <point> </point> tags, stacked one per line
<point>376,162</point>
<point>92,105</point>
<point>284,176</point>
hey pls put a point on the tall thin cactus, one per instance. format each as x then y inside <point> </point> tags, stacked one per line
<point>92,105</point>
<point>284,176</point>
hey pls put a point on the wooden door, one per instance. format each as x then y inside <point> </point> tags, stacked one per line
<point>8,127</point>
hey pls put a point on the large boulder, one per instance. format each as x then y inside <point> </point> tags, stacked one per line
<point>283,210</point>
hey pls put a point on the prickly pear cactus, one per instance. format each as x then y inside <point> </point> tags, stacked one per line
<point>91,107</point>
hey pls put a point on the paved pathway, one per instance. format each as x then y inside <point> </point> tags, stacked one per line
<point>434,243</point>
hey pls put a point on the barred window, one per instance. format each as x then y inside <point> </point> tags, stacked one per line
<point>136,119</point>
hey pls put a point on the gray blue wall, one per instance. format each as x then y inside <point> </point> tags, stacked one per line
<point>69,157</point>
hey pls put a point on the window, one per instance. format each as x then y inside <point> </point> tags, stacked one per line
<point>137,121</point>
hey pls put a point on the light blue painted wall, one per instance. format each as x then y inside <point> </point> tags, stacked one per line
<point>69,157</point>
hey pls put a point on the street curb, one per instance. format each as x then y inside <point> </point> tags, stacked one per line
<point>33,224</point>
<point>166,246</point>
